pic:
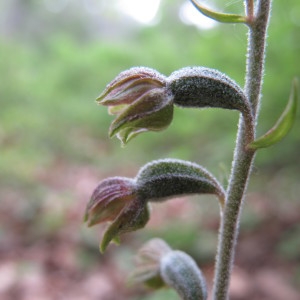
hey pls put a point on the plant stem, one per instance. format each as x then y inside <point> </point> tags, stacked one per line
<point>243,157</point>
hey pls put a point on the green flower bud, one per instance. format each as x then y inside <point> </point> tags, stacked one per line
<point>181,272</point>
<point>158,266</point>
<point>147,260</point>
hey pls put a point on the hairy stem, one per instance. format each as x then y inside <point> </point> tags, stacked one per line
<point>243,157</point>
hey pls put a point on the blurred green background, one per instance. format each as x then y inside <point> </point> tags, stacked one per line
<point>55,58</point>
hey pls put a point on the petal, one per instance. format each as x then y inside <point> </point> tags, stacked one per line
<point>108,199</point>
<point>125,78</point>
<point>130,91</point>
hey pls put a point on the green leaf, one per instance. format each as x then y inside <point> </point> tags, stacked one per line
<point>220,17</point>
<point>283,125</point>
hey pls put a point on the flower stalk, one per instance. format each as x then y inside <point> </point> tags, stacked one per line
<point>243,157</point>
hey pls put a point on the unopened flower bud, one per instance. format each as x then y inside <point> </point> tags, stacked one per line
<point>147,260</point>
<point>124,201</point>
<point>141,102</point>
<point>115,200</point>
<point>158,265</point>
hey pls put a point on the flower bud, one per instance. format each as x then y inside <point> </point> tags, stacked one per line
<point>139,99</point>
<point>147,260</point>
<point>115,200</point>
<point>181,272</point>
<point>124,201</point>
<point>158,265</point>
<point>153,111</point>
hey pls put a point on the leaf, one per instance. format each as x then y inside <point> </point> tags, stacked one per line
<point>220,17</point>
<point>283,125</point>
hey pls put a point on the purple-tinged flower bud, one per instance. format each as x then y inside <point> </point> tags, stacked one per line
<point>141,102</point>
<point>108,199</point>
<point>130,85</point>
<point>153,111</point>
<point>115,200</point>
<point>124,201</point>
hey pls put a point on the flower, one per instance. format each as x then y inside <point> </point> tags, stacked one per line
<point>143,99</point>
<point>141,102</point>
<point>124,201</point>
<point>108,199</point>
<point>115,200</point>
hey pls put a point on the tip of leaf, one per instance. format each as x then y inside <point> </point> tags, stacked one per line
<point>284,123</point>
<point>220,17</point>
